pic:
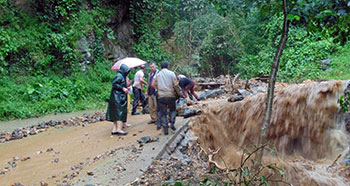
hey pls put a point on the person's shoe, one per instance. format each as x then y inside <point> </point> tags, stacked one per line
<point>173,128</point>
<point>151,122</point>
<point>165,131</point>
<point>158,128</point>
<point>135,113</point>
<point>126,125</point>
<point>120,133</point>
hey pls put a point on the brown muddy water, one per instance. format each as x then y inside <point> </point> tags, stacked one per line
<point>304,132</point>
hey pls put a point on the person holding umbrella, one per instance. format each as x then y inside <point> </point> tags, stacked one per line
<point>117,105</point>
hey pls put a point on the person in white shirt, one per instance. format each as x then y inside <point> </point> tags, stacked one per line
<point>139,82</point>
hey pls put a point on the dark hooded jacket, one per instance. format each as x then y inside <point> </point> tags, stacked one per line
<point>117,106</point>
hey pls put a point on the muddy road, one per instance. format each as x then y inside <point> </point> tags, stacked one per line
<point>67,155</point>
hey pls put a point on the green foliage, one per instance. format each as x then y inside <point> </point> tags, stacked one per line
<point>301,57</point>
<point>339,67</point>
<point>344,101</point>
<point>40,65</point>
<point>146,16</point>
<point>29,96</point>
<point>56,11</point>
<point>43,70</point>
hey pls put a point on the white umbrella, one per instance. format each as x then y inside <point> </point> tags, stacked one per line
<point>131,62</point>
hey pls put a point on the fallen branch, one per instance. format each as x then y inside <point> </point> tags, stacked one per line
<point>335,161</point>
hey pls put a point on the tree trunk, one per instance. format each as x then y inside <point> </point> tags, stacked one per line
<point>272,80</point>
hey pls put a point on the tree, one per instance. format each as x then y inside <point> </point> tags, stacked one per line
<point>272,79</point>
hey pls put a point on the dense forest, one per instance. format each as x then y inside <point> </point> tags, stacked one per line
<point>55,56</point>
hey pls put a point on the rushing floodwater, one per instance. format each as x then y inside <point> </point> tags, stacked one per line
<point>303,130</point>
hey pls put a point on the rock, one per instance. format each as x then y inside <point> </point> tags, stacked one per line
<point>17,184</point>
<point>42,183</point>
<point>53,123</point>
<point>145,139</point>
<point>90,173</point>
<point>134,149</point>
<point>33,132</point>
<point>25,158</point>
<point>120,168</point>
<point>16,134</point>
<point>155,139</point>
<point>56,160</point>
<point>49,149</point>
<point>325,63</point>
<point>211,94</point>
<point>12,163</point>
<point>244,93</point>
<point>191,112</point>
<point>42,125</point>
<point>235,97</point>
<point>25,133</point>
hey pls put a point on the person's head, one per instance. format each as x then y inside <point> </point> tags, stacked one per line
<point>152,66</point>
<point>124,69</point>
<point>177,76</point>
<point>143,68</point>
<point>164,65</point>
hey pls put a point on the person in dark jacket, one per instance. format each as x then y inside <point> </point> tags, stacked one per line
<point>117,106</point>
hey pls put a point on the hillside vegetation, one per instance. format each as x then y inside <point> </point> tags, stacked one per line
<point>55,56</point>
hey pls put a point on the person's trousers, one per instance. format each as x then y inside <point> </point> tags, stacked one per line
<point>138,96</point>
<point>165,104</point>
<point>189,90</point>
<point>152,105</point>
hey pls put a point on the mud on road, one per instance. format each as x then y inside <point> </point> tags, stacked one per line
<point>81,155</point>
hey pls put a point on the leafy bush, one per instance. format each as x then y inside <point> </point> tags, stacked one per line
<point>40,66</point>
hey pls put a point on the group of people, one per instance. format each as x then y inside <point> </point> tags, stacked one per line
<point>163,88</point>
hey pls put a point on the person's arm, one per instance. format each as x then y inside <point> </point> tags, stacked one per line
<point>146,92</point>
<point>142,81</point>
<point>116,84</point>
<point>177,87</point>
